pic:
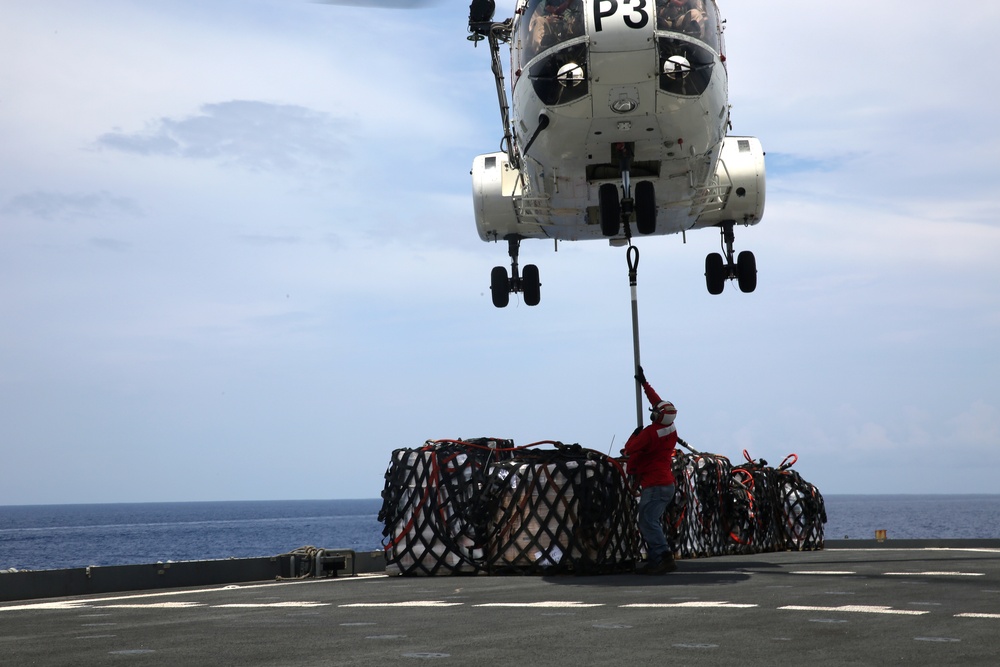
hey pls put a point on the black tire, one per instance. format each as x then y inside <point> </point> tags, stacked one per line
<point>715,273</point>
<point>500,287</point>
<point>645,207</point>
<point>610,209</point>
<point>746,271</point>
<point>530,285</point>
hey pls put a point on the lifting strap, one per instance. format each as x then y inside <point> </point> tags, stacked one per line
<point>632,257</point>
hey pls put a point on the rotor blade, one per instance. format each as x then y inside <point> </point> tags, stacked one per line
<point>380,4</point>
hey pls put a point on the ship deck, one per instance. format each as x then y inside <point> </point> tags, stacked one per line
<point>866,605</point>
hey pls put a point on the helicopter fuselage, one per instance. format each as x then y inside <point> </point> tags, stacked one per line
<point>617,92</point>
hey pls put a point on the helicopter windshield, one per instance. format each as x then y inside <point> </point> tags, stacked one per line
<point>694,18</point>
<point>546,23</point>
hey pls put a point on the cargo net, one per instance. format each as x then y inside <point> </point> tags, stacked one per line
<point>563,510</point>
<point>432,506</point>
<point>722,509</point>
<point>697,521</point>
<point>486,506</point>
<point>465,507</point>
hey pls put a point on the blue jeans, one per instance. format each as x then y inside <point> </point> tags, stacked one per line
<point>653,502</point>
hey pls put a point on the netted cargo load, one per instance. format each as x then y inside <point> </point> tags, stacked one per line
<point>696,520</point>
<point>720,509</point>
<point>563,510</point>
<point>465,507</point>
<point>765,504</point>
<point>682,517</point>
<point>485,506</point>
<point>741,513</point>
<point>803,511</point>
<point>432,506</point>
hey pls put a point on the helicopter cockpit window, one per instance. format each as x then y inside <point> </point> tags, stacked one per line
<point>694,18</point>
<point>559,77</point>
<point>546,23</point>
<point>686,62</point>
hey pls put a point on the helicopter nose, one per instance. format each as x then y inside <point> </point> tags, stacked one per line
<point>624,99</point>
<point>617,34</point>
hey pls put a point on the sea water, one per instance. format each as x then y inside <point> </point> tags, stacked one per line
<point>960,517</point>
<point>61,536</point>
<point>42,537</point>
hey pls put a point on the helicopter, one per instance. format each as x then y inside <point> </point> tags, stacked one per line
<point>616,127</point>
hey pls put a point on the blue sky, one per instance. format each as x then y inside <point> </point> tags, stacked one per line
<point>238,258</point>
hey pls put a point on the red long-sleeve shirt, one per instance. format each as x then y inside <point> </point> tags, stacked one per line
<point>650,452</point>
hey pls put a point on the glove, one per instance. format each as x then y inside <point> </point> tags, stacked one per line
<point>636,431</point>
<point>640,377</point>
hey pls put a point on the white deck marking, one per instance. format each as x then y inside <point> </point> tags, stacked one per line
<point>895,574</point>
<point>410,603</point>
<point>858,609</point>
<point>86,602</point>
<point>541,605</point>
<point>934,574</point>
<point>45,605</point>
<point>152,605</point>
<point>985,550</point>
<point>549,604</point>
<point>686,605</point>
<point>269,605</point>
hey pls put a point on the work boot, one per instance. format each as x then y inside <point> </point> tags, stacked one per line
<point>645,566</point>
<point>663,566</point>
<point>668,564</point>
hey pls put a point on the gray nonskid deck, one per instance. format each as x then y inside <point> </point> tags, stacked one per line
<point>860,606</point>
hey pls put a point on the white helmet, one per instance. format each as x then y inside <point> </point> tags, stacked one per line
<point>663,412</point>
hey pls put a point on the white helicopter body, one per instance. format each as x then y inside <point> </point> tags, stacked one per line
<point>617,129</point>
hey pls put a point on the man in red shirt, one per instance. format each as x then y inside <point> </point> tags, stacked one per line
<point>650,454</point>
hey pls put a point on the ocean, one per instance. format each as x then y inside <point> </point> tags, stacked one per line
<point>45,537</point>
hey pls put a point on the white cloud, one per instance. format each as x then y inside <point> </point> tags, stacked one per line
<point>66,206</point>
<point>978,426</point>
<point>255,135</point>
<point>891,96</point>
<point>157,299</point>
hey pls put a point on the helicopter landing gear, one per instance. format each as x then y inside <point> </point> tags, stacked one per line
<point>526,282</point>
<point>616,210</point>
<point>718,269</point>
<point>645,207</point>
<point>610,207</point>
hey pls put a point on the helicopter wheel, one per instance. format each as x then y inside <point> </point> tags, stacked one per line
<point>746,271</point>
<point>715,273</point>
<point>645,207</point>
<point>530,285</point>
<point>610,209</point>
<point>500,287</point>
